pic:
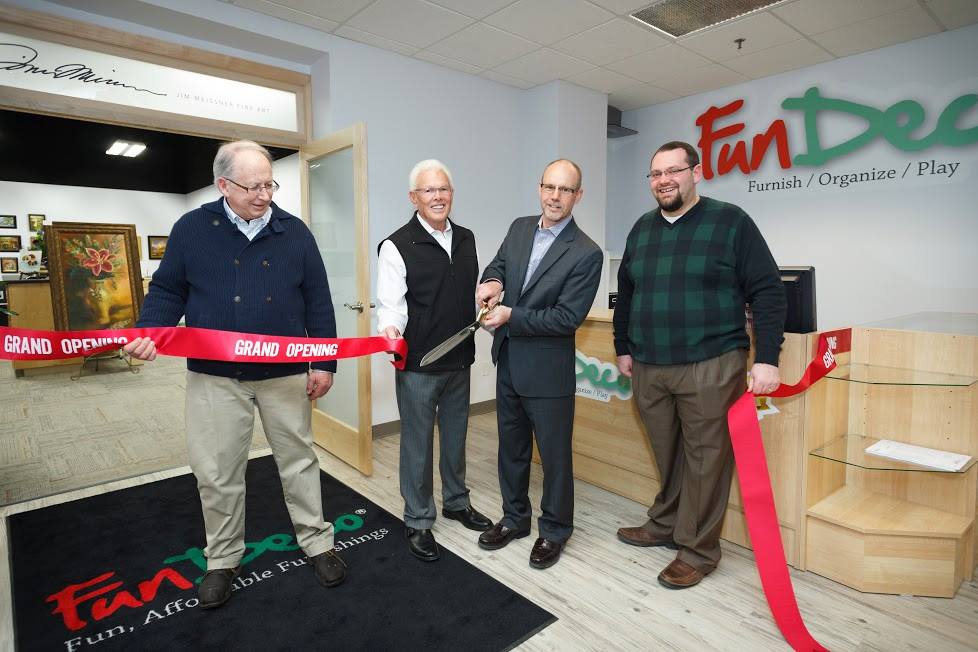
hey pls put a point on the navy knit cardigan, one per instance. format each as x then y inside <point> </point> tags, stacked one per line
<point>275,284</point>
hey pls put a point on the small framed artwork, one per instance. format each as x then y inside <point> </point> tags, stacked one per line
<point>157,245</point>
<point>35,221</point>
<point>10,243</point>
<point>8,265</point>
<point>8,221</point>
<point>30,262</point>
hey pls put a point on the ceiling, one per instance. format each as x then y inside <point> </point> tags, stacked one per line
<point>594,44</point>
<point>72,153</point>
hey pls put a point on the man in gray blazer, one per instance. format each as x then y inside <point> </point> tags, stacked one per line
<point>541,284</point>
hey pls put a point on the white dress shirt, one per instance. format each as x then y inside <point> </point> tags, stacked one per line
<point>392,278</point>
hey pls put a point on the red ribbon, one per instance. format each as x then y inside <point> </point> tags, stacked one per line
<point>202,343</point>
<point>758,499</point>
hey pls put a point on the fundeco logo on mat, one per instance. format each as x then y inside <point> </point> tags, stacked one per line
<point>103,596</point>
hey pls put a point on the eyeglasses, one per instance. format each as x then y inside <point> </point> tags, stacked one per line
<point>256,189</point>
<point>431,192</point>
<point>670,172</point>
<point>548,188</point>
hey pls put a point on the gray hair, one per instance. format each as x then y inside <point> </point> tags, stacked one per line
<point>428,164</point>
<point>224,161</point>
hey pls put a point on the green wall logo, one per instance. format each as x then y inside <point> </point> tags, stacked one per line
<point>599,380</point>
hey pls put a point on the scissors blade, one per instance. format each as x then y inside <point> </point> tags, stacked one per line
<point>439,351</point>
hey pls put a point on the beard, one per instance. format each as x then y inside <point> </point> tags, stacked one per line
<point>671,205</point>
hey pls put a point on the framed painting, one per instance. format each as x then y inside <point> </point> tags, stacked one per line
<point>35,221</point>
<point>10,243</point>
<point>30,262</point>
<point>96,282</point>
<point>8,265</point>
<point>8,221</point>
<point>157,245</point>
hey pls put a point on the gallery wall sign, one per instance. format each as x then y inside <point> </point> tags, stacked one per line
<point>37,65</point>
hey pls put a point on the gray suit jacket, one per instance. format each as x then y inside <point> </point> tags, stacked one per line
<point>547,313</point>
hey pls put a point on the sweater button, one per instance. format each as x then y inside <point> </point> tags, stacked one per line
<point>216,222</point>
<point>237,262</point>
<point>264,263</point>
<point>237,299</point>
<point>268,298</point>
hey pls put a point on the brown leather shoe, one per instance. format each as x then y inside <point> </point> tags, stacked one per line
<point>639,536</point>
<point>680,575</point>
<point>545,553</point>
<point>499,535</point>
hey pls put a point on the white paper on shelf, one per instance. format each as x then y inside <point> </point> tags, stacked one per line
<point>930,457</point>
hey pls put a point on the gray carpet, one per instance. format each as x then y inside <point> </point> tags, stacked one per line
<point>58,434</point>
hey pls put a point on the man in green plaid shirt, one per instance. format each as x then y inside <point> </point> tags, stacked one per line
<point>689,268</point>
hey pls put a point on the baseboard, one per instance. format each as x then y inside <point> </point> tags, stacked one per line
<point>393,427</point>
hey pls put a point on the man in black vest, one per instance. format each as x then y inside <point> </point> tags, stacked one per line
<point>426,276</point>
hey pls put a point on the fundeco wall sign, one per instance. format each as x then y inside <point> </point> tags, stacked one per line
<point>903,125</point>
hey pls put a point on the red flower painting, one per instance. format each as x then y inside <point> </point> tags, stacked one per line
<point>98,261</point>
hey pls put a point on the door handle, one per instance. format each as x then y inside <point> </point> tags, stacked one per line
<point>358,306</point>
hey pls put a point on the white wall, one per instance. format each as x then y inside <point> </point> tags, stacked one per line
<point>153,213</point>
<point>880,249</point>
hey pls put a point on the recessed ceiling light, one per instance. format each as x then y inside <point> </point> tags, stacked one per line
<point>135,149</point>
<point>125,148</point>
<point>118,147</point>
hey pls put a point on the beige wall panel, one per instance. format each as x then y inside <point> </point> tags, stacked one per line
<point>31,300</point>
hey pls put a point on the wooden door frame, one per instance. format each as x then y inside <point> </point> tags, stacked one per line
<point>356,448</point>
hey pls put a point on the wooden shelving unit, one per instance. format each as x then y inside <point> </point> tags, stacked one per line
<point>881,525</point>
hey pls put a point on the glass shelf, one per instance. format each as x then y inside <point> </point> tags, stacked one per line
<point>953,323</point>
<point>876,375</point>
<point>851,450</point>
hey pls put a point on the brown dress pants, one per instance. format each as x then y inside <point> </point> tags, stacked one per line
<point>684,409</point>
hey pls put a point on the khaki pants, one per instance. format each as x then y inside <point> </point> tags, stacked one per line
<point>220,423</point>
<point>684,409</point>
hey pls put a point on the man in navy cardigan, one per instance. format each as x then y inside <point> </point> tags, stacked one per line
<point>243,264</point>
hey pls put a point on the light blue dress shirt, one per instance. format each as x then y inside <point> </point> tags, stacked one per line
<point>543,238</point>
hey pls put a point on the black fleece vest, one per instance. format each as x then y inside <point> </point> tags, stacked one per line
<point>440,293</point>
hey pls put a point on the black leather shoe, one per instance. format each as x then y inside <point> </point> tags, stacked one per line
<point>545,553</point>
<point>499,535</point>
<point>422,544</point>
<point>215,588</point>
<point>330,568</point>
<point>469,518</point>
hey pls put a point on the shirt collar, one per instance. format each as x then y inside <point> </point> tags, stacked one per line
<point>556,228</point>
<point>432,230</point>
<point>237,220</point>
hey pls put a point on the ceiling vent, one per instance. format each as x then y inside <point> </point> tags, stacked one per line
<point>681,17</point>
<point>615,130</point>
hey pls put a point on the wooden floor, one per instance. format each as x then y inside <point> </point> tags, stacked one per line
<point>605,593</point>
